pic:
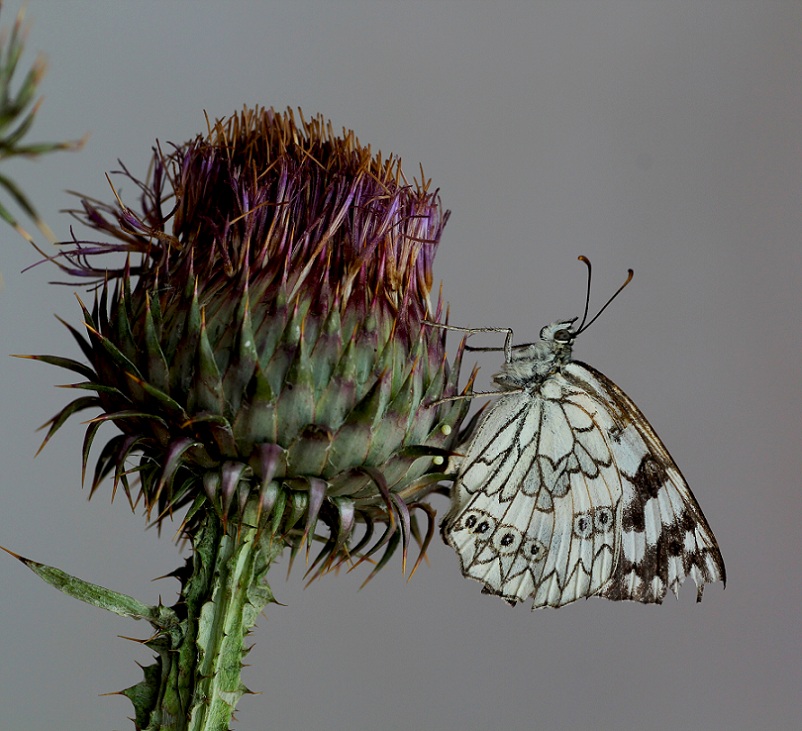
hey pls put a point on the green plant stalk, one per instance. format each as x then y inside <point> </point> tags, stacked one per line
<point>223,595</point>
<point>195,683</point>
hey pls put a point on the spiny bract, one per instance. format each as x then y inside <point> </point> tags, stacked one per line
<point>264,337</point>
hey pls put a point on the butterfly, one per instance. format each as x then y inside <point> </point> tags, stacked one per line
<point>564,490</point>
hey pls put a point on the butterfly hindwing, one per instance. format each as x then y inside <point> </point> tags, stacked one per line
<point>538,498</point>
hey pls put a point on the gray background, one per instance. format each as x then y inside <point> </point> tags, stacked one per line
<point>661,136</point>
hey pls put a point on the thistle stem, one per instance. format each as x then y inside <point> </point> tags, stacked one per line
<point>222,595</point>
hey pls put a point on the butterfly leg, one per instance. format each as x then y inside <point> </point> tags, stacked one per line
<point>473,394</point>
<point>473,330</point>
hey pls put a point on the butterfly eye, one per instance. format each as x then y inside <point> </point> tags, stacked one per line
<point>562,336</point>
<point>583,525</point>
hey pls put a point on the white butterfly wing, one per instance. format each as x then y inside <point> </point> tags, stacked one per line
<point>538,497</point>
<point>665,537</point>
<point>567,492</point>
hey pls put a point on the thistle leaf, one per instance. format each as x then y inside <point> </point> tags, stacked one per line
<point>96,595</point>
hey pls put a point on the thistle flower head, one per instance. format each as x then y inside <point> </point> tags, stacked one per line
<point>264,338</point>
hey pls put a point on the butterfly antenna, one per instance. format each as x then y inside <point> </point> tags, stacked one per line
<point>584,326</point>
<point>586,262</point>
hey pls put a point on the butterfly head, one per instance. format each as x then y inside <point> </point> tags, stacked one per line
<point>530,364</point>
<point>560,334</point>
<point>556,343</point>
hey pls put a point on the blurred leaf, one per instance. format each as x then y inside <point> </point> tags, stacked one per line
<point>17,112</point>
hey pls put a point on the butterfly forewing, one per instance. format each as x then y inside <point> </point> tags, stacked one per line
<point>665,536</point>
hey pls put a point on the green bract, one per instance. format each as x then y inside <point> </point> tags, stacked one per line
<point>260,335</point>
